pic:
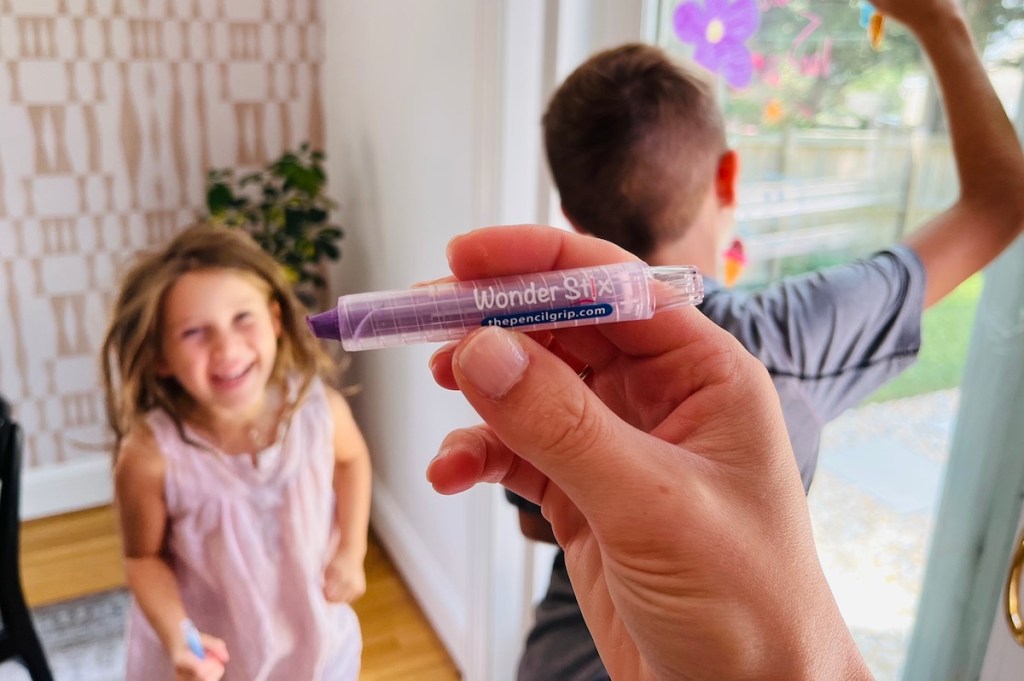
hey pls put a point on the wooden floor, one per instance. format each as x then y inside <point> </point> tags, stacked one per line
<point>79,553</point>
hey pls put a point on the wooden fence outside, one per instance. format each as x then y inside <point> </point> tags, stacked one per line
<point>810,198</point>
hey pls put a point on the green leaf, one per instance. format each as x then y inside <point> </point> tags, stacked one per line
<point>316,216</point>
<point>304,179</point>
<point>219,198</point>
<point>284,207</point>
<point>331,251</point>
<point>294,222</point>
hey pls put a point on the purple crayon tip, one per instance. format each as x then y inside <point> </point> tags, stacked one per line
<point>324,325</point>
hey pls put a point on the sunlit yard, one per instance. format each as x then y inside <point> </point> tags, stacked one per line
<point>945,332</point>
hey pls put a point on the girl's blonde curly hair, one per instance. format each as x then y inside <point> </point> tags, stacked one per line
<point>132,345</point>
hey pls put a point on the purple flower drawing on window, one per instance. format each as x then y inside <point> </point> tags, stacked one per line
<point>718,30</point>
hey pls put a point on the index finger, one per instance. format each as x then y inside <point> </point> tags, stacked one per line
<point>519,249</point>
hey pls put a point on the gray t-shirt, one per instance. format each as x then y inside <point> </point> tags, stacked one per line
<point>828,339</point>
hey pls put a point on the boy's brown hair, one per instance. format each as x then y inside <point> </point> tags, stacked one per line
<point>131,347</point>
<point>633,142</point>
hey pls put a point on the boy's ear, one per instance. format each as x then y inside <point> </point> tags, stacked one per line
<point>727,177</point>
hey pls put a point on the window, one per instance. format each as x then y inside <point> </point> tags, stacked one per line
<point>843,150</point>
<point>842,147</point>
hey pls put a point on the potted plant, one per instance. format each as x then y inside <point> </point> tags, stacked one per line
<point>285,208</point>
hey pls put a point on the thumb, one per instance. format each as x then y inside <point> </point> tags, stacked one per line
<point>542,411</point>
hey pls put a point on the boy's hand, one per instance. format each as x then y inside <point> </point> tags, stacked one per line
<point>917,13</point>
<point>188,667</point>
<point>344,578</point>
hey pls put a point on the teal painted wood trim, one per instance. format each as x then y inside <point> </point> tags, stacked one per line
<point>983,489</point>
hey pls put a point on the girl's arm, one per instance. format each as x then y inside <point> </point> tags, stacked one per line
<point>142,515</point>
<point>344,578</point>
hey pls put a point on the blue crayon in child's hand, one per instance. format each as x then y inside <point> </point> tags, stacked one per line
<point>192,640</point>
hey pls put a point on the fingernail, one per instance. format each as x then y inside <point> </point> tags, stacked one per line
<point>448,248</point>
<point>440,455</point>
<point>493,361</point>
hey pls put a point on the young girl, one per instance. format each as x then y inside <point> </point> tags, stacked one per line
<point>242,481</point>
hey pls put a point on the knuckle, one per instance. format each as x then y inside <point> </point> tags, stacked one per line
<point>573,429</point>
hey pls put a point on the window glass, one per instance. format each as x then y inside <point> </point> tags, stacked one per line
<point>842,146</point>
<point>843,150</point>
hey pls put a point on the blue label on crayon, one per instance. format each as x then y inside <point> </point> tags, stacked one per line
<point>561,314</point>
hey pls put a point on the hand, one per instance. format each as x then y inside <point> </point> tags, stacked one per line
<point>344,577</point>
<point>670,483</point>
<point>915,14</point>
<point>188,667</point>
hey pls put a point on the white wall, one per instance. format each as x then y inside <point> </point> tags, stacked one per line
<point>411,106</point>
<point>432,113</point>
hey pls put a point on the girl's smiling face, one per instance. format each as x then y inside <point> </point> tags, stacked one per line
<point>219,340</point>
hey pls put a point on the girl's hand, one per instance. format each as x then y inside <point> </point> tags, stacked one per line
<point>344,578</point>
<point>188,667</point>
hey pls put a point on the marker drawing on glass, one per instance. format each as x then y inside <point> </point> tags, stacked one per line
<point>530,302</point>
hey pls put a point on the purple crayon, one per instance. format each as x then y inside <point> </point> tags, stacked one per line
<point>530,302</point>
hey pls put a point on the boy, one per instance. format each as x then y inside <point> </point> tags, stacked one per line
<point>637,149</point>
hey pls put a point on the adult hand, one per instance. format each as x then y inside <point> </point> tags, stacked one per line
<point>669,481</point>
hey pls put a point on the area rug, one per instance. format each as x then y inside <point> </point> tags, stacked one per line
<point>83,638</point>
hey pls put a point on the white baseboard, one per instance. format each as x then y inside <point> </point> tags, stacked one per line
<point>51,490</point>
<point>427,580</point>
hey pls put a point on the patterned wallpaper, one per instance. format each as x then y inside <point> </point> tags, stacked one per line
<point>110,114</point>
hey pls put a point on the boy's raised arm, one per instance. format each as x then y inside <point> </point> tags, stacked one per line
<point>989,214</point>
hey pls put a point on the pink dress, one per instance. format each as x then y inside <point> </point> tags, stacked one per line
<point>248,545</point>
